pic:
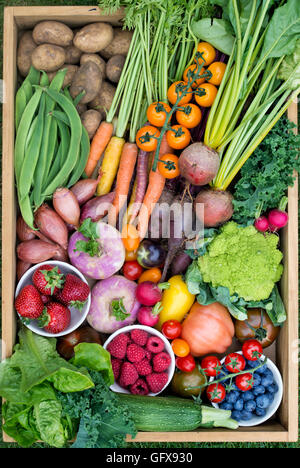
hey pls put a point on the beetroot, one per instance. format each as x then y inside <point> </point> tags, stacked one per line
<point>199,164</point>
<point>217,209</point>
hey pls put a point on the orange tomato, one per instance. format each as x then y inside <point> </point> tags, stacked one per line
<point>189,115</point>
<point>176,90</point>
<point>208,98</point>
<point>208,52</point>
<point>157,112</point>
<point>130,255</point>
<point>153,274</point>
<point>168,166</point>
<point>178,137</point>
<point>146,138</point>
<point>193,69</point>
<point>180,347</point>
<point>217,70</point>
<point>130,237</point>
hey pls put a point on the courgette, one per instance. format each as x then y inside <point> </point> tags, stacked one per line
<point>172,414</point>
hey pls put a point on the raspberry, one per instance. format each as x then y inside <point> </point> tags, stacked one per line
<point>116,366</point>
<point>139,337</point>
<point>155,344</point>
<point>135,353</point>
<point>143,367</point>
<point>139,388</point>
<point>148,355</point>
<point>128,374</point>
<point>117,347</point>
<point>157,381</point>
<point>161,362</point>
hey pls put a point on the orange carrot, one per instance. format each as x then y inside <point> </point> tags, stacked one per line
<point>98,145</point>
<point>125,172</point>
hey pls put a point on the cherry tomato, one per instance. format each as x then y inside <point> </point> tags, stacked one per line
<point>235,363</point>
<point>168,166</point>
<point>146,138</point>
<point>216,392</point>
<point>153,274</point>
<point>171,329</point>
<point>188,75</point>
<point>244,382</point>
<point>130,237</point>
<point>176,90</point>
<point>130,255</point>
<point>208,52</point>
<point>186,364</point>
<point>211,366</point>
<point>252,350</point>
<point>207,99</point>
<point>156,113</point>
<point>189,115</point>
<point>132,270</point>
<point>178,137</point>
<point>180,347</point>
<point>217,70</point>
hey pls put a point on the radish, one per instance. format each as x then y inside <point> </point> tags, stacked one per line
<point>149,293</point>
<point>261,224</point>
<point>277,219</point>
<point>149,316</point>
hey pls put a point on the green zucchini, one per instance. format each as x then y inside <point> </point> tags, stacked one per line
<point>172,414</point>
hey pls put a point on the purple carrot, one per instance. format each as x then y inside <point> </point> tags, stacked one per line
<point>141,177</point>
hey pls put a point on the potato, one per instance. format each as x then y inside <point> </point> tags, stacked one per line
<point>72,54</point>
<point>72,69</point>
<point>89,79</point>
<point>114,67</point>
<point>53,32</point>
<point>104,98</point>
<point>99,61</point>
<point>91,120</point>
<point>81,108</point>
<point>119,45</point>
<point>94,37</point>
<point>48,57</point>
<point>25,49</point>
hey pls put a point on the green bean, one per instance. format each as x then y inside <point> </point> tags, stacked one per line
<point>31,132</point>
<point>51,148</point>
<point>61,116</point>
<point>44,79</point>
<point>83,157</point>
<point>26,211</point>
<point>61,153</point>
<point>24,93</point>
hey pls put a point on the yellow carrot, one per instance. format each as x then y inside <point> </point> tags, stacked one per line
<point>110,164</point>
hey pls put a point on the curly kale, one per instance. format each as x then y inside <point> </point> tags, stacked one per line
<point>267,174</point>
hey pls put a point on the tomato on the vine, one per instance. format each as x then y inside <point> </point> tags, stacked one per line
<point>130,237</point>
<point>217,70</point>
<point>146,138</point>
<point>211,366</point>
<point>186,364</point>
<point>176,90</point>
<point>189,115</point>
<point>189,74</point>
<point>216,392</point>
<point>168,166</point>
<point>157,112</point>
<point>178,137</point>
<point>132,270</point>
<point>206,94</point>
<point>153,274</point>
<point>244,382</point>
<point>235,363</point>
<point>171,329</point>
<point>180,347</point>
<point>208,52</point>
<point>252,350</point>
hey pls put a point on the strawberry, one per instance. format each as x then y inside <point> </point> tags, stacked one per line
<point>29,303</point>
<point>161,362</point>
<point>48,279</point>
<point>55,318</point>
<point>117,347</point>
<point>75,292</point>
<point>157,381</point>
<point>128,375</point>
<point>135,353</point>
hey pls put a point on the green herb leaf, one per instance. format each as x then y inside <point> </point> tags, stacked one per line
<point>118,310</point>
<point>217,32</point>
<point>90,247</point>
<point>89,229</point>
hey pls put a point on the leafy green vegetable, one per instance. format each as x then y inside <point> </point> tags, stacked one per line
<point>217,32</point>
<point>48,421</point>
<point>118,310</point>
<point>94,357</point>
<point>89,230</point>
<point>290,67</point>
<point>199,246</point>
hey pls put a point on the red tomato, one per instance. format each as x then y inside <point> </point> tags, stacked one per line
<point>171,329</point>
<point>216,392</point>
<point>132,270</point>
<point>211,366</point>
<point>244,382</point>
<point>186,364</point>
<point>252,350</point>
<point>235,363</point>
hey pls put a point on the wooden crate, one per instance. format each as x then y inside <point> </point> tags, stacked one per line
<point>284,428</point>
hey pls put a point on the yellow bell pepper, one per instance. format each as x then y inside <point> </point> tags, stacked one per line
<point>176,301</point>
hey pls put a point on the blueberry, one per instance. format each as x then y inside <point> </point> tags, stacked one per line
<point>267,380</point>
<point>252,364</point>
<point>236,415</point>
<point>225,405</point>
<point>247,396</point>
<point>232,396</point>
<point>260,412</point>
<point>239,404</point>
<point>262,369</point>
<point>249,405</point>
<point>246,415</point>
<point>273,388</point>
<point>256,380</point>
<point>259,390</point>
<point>262,401</point>
<point>270,396</point>
<point>269,372</point>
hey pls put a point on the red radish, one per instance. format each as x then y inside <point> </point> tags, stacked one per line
<point>213,207</point>
<point>261,224</point>
<point>149,293</point>
<point>66,205</point>
<point>277,219</point>
<point>149,316</point>
<point>51,225</point>
<point>85,189</point>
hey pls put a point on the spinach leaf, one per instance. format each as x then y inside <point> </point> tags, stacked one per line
<point>217,32</point>
<point>94,357</point>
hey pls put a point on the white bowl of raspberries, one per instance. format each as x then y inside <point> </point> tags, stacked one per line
<point>142,359</point>
<point>52,298</point>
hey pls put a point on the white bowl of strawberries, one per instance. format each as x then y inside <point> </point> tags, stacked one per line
<point>52,298</point>
<point>142,359</point>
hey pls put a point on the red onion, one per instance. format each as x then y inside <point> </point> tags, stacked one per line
<point>22,267</point>
<point>66,205</point>
<point>97,207</point>
<point>51,225</point>
<point>24,232</point>
<point>85,189</point>
<point>36,251</point>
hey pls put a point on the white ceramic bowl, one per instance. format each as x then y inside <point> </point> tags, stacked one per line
<point>77,317</point>
<point>271,410</point>
<point>152,331</point>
